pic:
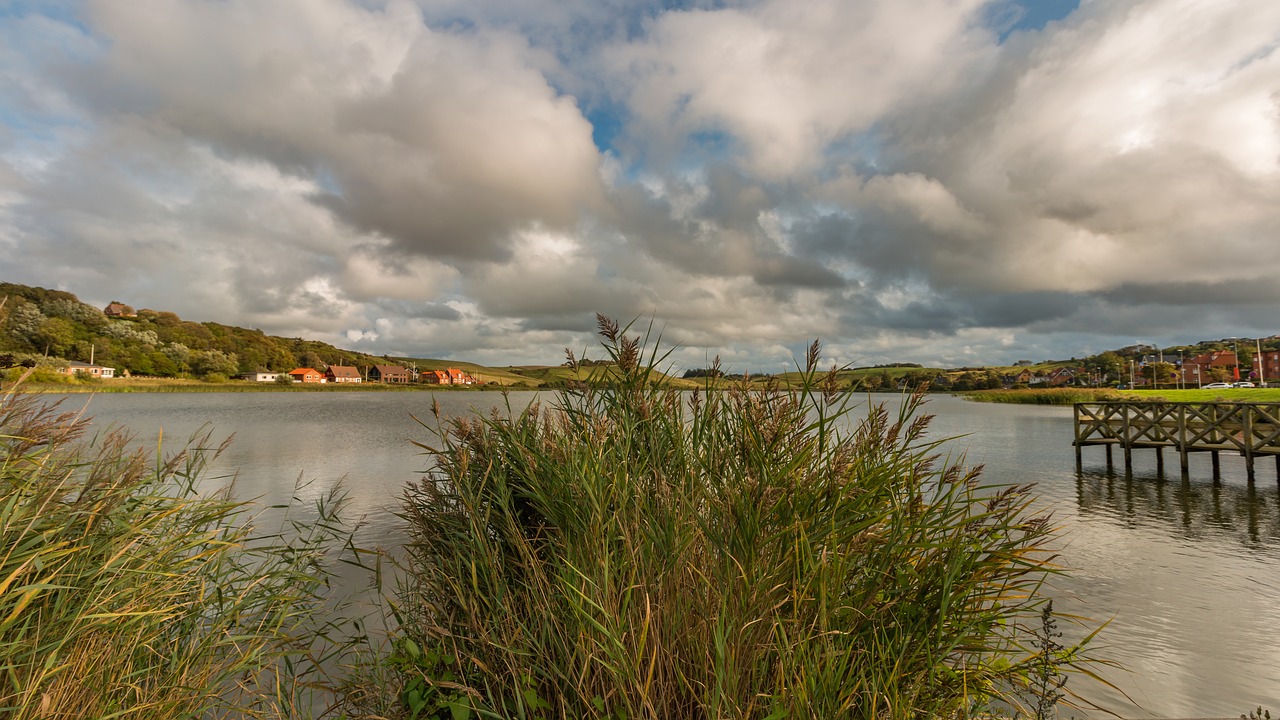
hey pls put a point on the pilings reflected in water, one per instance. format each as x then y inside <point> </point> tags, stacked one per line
<point>1246,515</point>
<point>1250,430</point>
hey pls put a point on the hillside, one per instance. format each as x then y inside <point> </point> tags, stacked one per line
<point>53,326</point>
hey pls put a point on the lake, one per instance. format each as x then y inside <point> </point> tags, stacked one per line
<point>1187,571</point>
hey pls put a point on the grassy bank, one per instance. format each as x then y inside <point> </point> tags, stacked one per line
<point>1070,396</point>
<point>634,551</point>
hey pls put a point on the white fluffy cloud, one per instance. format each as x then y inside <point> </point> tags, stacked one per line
<point>476,180</point>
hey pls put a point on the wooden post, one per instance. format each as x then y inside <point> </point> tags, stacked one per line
<point>1247,437</point>
<point>1160,461</point>
<point>1111,464</point>
<point>1217,470</point>
<point>1182,436</point>
<point>1124,438</point>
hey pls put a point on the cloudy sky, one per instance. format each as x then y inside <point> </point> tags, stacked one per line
<point>948,182</point>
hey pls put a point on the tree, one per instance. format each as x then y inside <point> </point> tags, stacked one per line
<point>214,362</point>
<point>1158,372</point>
<point>1107,365</point>
<point>56,335</point>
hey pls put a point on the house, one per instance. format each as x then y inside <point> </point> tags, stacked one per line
<point>1060,376</point>
<point>306,375</point>
<point>81,368</point>
<point>435,377</point>
<point>388,374</point>
<point>116,309</point>
<point>342,374</point>
<point>449,376</point>
<point>259,376</point>
<point>1026,377</point>
<point>1206,367</point>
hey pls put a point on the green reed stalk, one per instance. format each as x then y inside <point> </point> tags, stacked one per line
<point>633,551</point>
<point>128,590</point>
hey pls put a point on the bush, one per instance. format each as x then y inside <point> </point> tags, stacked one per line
<point>633,551</point>
<point>127,590</point>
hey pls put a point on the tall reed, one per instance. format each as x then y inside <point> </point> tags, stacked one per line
<point>636,552</point>
<point>128,589</point>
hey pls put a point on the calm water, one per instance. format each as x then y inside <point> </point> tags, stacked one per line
<point>1188,572</point>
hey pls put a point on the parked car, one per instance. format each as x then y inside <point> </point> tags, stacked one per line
<point>1243,383</point>
<point>1216,386</point>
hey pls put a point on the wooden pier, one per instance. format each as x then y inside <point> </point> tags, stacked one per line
<point>1251,430</point>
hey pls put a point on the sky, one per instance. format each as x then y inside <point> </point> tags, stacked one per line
<point>947,182</point>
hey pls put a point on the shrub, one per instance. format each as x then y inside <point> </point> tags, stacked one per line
<point>633,551</point>
<point>127,589</point>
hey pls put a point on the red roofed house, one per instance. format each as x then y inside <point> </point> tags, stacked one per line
<point>116,309</point>
<point>388,374</point>
<point>342,374</point>
<point>306,375</point>
<point>435,377</point>
<point>457,377</point>
<point>1200,369</point>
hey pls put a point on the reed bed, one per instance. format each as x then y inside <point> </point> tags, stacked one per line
<point>1046,396</point>
<point>128,589</point>
<point>630,551</point>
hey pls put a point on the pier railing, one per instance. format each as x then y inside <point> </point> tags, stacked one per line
<point>1251,430</point>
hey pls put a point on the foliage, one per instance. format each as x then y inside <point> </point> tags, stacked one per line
<point>127,589</point>
<point>635,552</point>
<point>155,343</point>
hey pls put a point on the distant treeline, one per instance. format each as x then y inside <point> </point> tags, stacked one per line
<point>54,326</point>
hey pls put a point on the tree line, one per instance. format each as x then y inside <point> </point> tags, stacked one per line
<point>44,326</point>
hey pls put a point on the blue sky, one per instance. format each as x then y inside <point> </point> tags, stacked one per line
<point>950,182</point>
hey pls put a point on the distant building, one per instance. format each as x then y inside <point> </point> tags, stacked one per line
<point>260,376</point>
<point>306,375</point>
<point>434,377</point>
<point>116,309</point>
<point>449,376</point>
<point>342,374</point>
<point>388,374</point>
<point>80,368</point>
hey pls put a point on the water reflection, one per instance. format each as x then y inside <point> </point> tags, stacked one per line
<point>1186,508</point>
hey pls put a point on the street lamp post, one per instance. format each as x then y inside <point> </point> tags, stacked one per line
<point>1235,351</point>
<point>1262,380</point>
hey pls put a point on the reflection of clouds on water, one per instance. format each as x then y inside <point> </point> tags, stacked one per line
<point>1190,509</point>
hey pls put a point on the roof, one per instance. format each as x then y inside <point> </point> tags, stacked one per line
<point>344,371</point>
<point>304,371</point>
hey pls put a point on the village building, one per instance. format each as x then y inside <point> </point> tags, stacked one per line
<point>388,374</point>
<point>448,376</point>
<point>265,377</point>
<point>116,309</point>
<point>434,377</point>
<point>342,374</point>
<point>1209,367</point>
<point>83,368</point>
<point>306,375</point>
